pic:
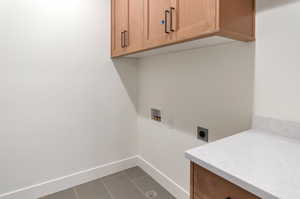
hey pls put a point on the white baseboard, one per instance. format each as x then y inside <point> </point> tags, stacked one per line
<point>66,182</point>
<point>162,179</point>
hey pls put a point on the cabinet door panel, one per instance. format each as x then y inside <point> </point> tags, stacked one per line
<point>135,26</point>
<point>196,18</point>
<point>155,34</point>
<point>119,24</point>
<point>207,185</point>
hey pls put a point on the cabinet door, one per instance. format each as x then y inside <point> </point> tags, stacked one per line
<point>134,37</point>
<point>195,18</point>
<point>208,185</point>
<point>157,22</point>
<point>119,25</point>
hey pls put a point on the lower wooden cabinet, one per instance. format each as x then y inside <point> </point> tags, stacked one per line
<point>207,185</point>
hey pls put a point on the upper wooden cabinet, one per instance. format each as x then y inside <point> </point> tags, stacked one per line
<point>140,25</point>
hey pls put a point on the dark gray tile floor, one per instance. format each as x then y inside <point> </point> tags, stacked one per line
<point>132,183</point>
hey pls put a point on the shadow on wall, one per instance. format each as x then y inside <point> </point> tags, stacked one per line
<point>127,70</point>
<point>212,87</point>
<point>263,5</point>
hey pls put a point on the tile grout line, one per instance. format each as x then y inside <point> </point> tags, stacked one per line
<point>135,185</point>
<point>140,177</point>
<point>107,189</point>
<point>76,193</point>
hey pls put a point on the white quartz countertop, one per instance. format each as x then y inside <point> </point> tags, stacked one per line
<point>264,164</point>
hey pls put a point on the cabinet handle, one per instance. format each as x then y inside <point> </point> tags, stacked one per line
<point>166,21</point>
<point>122,39</point>
<point>171,19</point>
<point>126,39</point>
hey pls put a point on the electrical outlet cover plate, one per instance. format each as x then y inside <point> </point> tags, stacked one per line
<point>156,114</point>
<point>202,133</point>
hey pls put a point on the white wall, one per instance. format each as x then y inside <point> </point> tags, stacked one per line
<point>63,103</point>
<point>209,87</point>
<point>181,84</point>
<point>277,60</point>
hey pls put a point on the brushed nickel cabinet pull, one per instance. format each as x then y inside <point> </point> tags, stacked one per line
<point>166,21</point>
<point>122,40</point>
<point>171,19</point>
<point>126,39</point>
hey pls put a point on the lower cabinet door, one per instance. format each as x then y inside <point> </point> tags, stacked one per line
<point>196,197</point>
<point>207,185</point>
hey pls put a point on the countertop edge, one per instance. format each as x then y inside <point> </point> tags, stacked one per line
<point>227,176</point>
